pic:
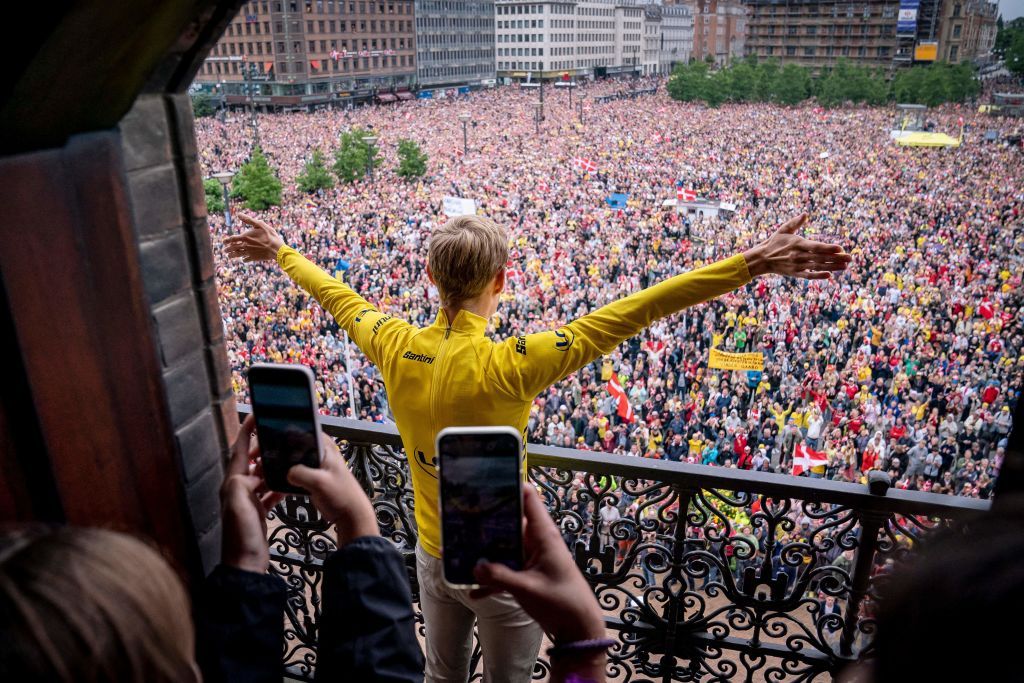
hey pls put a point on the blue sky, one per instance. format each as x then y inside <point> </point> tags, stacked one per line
<point>1011,9</point>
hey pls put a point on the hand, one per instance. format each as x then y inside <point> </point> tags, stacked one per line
<point>245,501</point>
<point>550,587</point>
<point>337,495</point>
<point>260,243</point>
<point>786,253</point>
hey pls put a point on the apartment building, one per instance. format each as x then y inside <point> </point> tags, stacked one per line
<point>286,53</point>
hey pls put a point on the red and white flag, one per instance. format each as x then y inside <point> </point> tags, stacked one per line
<point>805,457</point>
<point>624,410</point>
<point>585,164</point>
<point>686,195</point>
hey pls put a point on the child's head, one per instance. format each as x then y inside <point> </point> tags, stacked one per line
<point>465,256</point>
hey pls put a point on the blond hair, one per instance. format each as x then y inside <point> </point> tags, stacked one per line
<point>91,605</point>
<point>465,255</point>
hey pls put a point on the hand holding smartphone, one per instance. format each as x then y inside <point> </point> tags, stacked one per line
<point>287,421</point>
<point>481,500</point>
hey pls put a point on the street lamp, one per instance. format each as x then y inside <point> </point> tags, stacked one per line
<point>464,117</point>
<point>580,102</point>
<point>370,141</point>
<point>224,178</point>
<point>537,115</point>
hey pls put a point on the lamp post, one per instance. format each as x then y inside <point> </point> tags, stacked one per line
<point>464,117</point>
<point>537,115</point>
<point>370,141</point>
<point>224,178</point>
<point>250,77</point>
<point>580,103</point>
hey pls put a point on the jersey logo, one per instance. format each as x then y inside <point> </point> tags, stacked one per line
<point>427,465</point>
<point>521,345</point>
<point>359,318</point>
<point>420,357</point>
<point>565,339</point>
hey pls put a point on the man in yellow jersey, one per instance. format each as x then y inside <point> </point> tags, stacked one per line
<point>451,374</point>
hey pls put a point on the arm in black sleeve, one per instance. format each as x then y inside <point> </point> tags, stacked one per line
<point>367,630</point>
<point>240,627</point>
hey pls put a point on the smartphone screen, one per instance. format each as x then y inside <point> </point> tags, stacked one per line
<point>286,421</point>
<point>481,501</point>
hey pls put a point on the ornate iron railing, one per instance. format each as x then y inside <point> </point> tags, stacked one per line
<point>708,574</point>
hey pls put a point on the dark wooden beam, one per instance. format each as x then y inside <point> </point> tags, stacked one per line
<point>70,270</point>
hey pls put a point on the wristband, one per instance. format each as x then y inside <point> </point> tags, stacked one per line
<point>579,646</point>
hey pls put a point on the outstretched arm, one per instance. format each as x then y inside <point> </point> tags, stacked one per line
<point>371,330</point>
<point>525,366</point>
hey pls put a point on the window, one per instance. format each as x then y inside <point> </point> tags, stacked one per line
<point>791,50</point>
<point>954,52</point>
<point>957,30</point>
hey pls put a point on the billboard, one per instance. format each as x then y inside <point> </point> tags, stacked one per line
<point>906,24</point>
<point>926,52</point>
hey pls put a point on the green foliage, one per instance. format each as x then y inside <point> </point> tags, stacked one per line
<point>742,81</point>
<point>792,85</point>
<point>214,196</point>
<point>935,84</point>
<point>849,83</point>
<point>412,161</point>
<point>315,175</point>
<point>689,82</point>
<point>353,155</point>
<point>202,105</point>
<point>1013,52</point>
<point>256,183</point>
<point>750,81</point>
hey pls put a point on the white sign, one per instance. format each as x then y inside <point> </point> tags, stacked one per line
<point>459,206</point>
<point>823,155</point>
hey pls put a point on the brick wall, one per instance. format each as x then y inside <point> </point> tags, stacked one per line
<point>169,208</point>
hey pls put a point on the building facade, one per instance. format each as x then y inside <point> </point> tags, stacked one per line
<point>676,37</point>
<point>454,42</point>
<point>287,53</point>
<point>820,32</point>
<point>650,60</point>
<point>584,39</point>
<point>719,29</point>
<point>967,31</point>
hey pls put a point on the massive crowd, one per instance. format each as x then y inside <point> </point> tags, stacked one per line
<point>910,363</point>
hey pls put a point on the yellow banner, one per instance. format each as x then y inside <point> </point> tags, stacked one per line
<point>735,361</point>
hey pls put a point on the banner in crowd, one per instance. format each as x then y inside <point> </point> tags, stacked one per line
<point>906,24</point>
<point>806,458</point>
<point>686,195</point>
<point>458,206</point>
<point>617,200</point>
<point>723,360</point>
<point>623,408</point>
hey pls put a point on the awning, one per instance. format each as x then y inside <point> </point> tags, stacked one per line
<point>314,64</point>
<point>268,66</point>
<point>406,95</point>
<point>386,97</point>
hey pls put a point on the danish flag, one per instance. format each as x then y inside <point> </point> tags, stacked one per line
<point>804,458</point>
<point>585,164</point>
<point>623,408</point>
<point>686,195</point>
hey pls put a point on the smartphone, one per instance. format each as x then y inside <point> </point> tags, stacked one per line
<point>287,421</point>
<point>481,500</point>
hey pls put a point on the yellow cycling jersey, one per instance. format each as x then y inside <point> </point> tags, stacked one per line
<point>450,374</point>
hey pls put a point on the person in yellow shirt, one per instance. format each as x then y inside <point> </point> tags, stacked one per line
<point>451,374</point>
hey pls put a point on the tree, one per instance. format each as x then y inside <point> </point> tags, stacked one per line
<point>214,196</point>
<point>1014,53</point>
<point>353,155</point>
<point>689,82</point>
<point>767,72</point>
<point>741,80</point>
<point>256,183</point>
<point>202,105</point>
<point>412,162</point>
<point>792,85</point>
<point>315,175</point>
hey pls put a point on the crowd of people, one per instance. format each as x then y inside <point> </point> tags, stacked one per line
<point>908,363</point>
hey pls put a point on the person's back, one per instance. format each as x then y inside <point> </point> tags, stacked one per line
<point>451,374</point>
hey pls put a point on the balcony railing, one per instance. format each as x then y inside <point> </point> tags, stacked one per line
<point>711,574</point>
